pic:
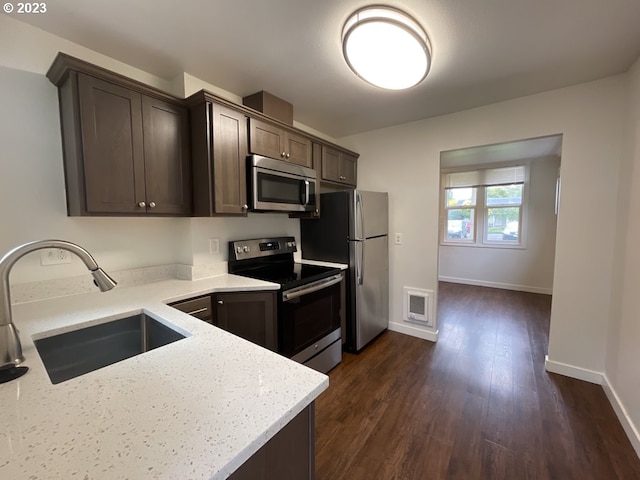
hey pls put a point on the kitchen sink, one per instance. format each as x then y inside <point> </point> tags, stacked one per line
<point>71,354</point>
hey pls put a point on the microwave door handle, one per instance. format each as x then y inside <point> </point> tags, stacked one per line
<point>305,195</point>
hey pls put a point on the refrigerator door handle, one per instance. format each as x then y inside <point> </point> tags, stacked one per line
<point>360,235</point>
<point>359,245</point>
<point>361,279</point>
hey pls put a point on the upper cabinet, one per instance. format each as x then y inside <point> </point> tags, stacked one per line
<point>273,141</point>
<point>130,149</point>
<point>126,145</point>
<point>337,166</point>
<point>219,149</point>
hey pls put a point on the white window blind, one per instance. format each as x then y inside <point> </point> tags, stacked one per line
<point>485,177</point>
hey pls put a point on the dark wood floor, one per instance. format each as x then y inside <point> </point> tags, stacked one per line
<point>477,404</point>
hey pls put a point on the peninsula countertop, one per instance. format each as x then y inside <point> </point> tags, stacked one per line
<point>197,408</point>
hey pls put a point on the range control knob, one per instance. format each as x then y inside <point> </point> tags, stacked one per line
<point>291,244</point>
<point>238,249</point>
<point>246,249</point>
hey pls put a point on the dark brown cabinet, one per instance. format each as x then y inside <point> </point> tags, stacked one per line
<point>250,315</point>
<point>272,141</point>
<point>126,146</point>
<point>219,146</point>
<point>289,455</point>
<point>337,166</point>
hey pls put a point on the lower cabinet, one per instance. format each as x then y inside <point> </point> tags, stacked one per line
<point>289,455</point>
<point>250,315</point>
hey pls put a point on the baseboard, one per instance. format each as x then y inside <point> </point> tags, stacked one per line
<point>504,286</point>
<point>590,376</point>
<point>414,331</point>
<point>627,424</point>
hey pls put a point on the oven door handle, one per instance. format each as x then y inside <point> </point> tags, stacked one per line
<point>312,287</point>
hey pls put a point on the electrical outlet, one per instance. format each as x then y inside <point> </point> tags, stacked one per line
<point>214,245</point>
<point>398,239</point>
<point>54,256</point>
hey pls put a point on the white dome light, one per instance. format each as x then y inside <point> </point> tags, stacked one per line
<point>386,48</point>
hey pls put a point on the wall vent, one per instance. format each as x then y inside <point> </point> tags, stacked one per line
<point>418,306</point>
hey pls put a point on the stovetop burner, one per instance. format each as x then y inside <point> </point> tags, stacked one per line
<point>294,275</point>
<point>271,260</point>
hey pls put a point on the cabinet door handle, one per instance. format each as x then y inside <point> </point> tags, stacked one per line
<point>288,155</point>
<point>142,204</point>
<point>152,204</point>
<point>283,154</point>
<point>220,302</point>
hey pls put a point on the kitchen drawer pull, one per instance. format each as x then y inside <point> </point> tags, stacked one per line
<point>220,302</point>
<point>199,310</point>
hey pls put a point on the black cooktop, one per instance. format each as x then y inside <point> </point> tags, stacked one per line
<point>291,275</point>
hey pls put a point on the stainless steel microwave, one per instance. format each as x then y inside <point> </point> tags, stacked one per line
<point>277,186</point>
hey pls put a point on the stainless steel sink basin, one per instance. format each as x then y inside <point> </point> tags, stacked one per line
<point>71,354</point>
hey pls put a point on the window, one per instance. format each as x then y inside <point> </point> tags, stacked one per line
<point>484,207</point>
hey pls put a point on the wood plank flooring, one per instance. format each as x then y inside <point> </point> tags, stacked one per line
<point>477,404</point>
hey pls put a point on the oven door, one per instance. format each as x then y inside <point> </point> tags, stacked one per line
<point>308,314</point>
<point>291,188</point>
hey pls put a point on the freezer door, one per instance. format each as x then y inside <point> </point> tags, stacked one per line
<point>371,288</point>
<point>371,217</point>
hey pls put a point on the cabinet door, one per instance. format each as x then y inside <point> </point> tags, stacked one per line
<point>251,316</point>
<point>338,167</point>
<point>229,160</point>
<point>330,162</point>
<point>113,155</point>
<point>266,139</point>
<point>347,169</point>
<point>166,157</point>
<point>289,455</point>
<point>298,150</point>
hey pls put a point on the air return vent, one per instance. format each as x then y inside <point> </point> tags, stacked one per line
<point>417,306</point>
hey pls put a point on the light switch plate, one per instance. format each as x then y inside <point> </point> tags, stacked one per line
<point>214,245</point>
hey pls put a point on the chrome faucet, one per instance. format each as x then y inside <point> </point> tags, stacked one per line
<point>10,347</point>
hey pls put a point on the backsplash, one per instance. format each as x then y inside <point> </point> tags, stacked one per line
<point>61,287</point>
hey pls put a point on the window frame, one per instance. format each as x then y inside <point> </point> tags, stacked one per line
<point>481,210</point>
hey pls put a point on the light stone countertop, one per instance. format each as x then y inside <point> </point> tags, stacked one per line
<point>194,409</point>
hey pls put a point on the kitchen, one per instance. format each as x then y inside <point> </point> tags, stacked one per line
<point>599,308</point>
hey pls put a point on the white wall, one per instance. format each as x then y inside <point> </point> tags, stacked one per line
<point>32,197</point>
<point>404,160</point>
<point>623,353</point>
<point>528,269</point>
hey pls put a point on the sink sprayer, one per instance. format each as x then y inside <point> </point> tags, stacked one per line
<point>10,346</point>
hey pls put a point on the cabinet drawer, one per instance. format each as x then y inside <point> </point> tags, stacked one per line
<point>199,307</point>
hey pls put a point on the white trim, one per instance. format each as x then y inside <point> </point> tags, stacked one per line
<point>572,371</point>
<point>627,424</point>
<point>632,431</point>
<point>414,331</point>
<point>504,286</point>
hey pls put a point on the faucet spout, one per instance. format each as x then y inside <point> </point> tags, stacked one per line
<point>10,347</point>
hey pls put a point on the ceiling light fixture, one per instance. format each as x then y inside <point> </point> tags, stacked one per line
<point>386,47</point>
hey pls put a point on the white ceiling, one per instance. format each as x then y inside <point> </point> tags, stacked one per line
<point>531,148</point>
<point>483,51</point>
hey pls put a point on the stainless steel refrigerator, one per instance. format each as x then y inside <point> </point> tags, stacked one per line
<point>353,229</point>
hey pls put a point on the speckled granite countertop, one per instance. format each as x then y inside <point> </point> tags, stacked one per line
<point>194,409</point>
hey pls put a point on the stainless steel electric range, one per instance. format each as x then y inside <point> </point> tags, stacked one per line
<point>308,300</point>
